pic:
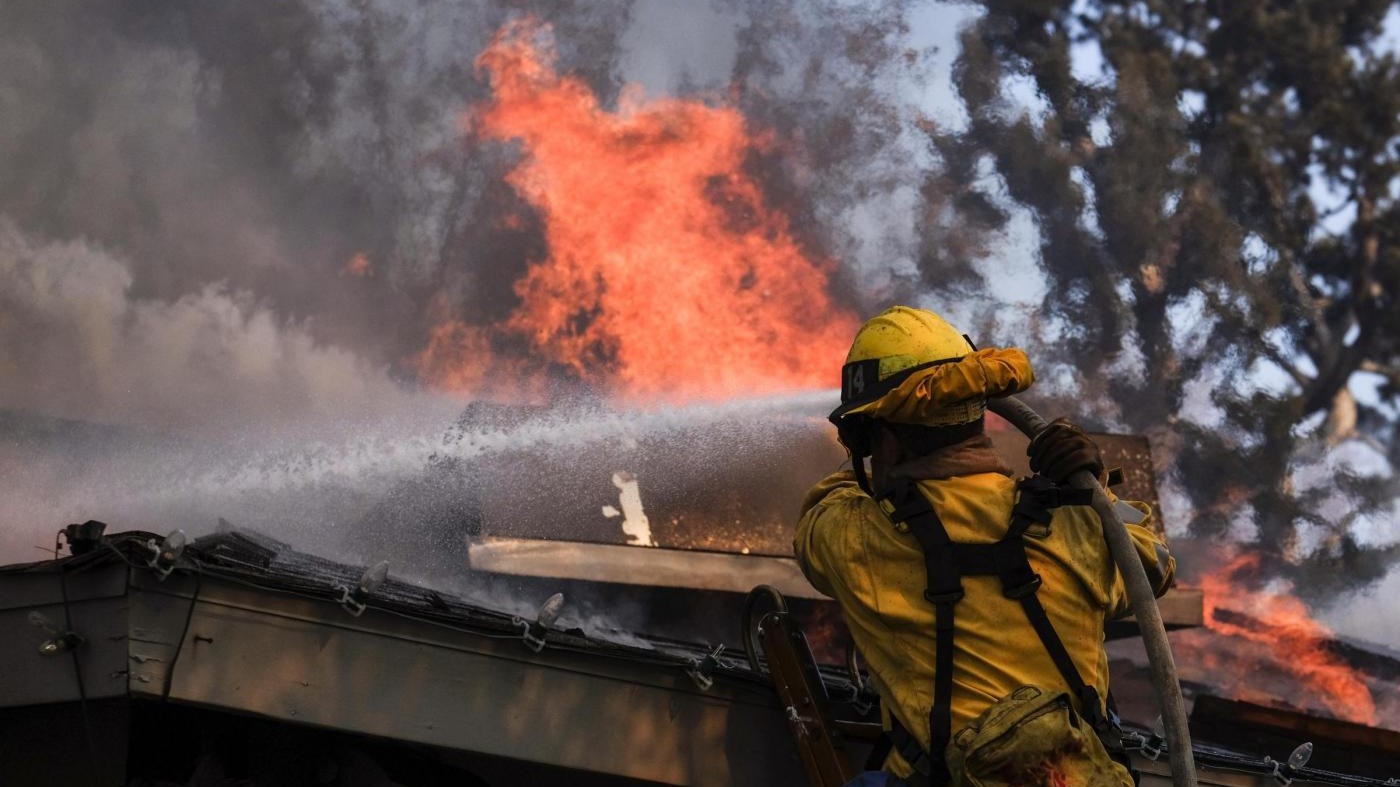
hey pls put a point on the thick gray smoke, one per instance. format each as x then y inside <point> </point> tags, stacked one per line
<point>264,148</point>
<point>226,229</point>
<point>79,343</point>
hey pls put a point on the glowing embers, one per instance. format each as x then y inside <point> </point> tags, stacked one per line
<point>668,275</point>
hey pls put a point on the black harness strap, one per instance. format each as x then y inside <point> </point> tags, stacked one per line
<point>946,563</point>
<point>944,590</point>
<point>1038,497</point>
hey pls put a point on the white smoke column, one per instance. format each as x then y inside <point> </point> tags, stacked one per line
<point>75,342</point>
<point>213,375</point>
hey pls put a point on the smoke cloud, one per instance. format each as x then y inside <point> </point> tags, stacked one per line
<point>228,231</point>
<point>264,149</point>
<point>78,343</point>
<point>311,159</point>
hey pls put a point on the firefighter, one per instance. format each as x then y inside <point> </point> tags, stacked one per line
<point>978,602</point>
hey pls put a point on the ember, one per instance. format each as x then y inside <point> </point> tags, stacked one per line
<point>1289,640</point>
<point>668,275</point>
<point>358,266</point>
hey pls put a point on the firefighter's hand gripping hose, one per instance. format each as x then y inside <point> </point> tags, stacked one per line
<point>1144,601</point>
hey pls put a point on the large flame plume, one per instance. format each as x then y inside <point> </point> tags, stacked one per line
<point>1271,631</point>
<point>668,275</point>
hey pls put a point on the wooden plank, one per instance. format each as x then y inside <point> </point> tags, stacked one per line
<point>1130,453</point>
<point>650,566</point>
<point>716,571</point>
<point>1181,608</point>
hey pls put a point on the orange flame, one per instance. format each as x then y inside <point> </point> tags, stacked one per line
<point>452,358</point>
<point>1291,639</point>
<point>358,266</point>
<point>668,275</point>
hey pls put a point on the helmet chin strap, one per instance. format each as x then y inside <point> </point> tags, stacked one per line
<point>855,435</point>
<point>858,465</point>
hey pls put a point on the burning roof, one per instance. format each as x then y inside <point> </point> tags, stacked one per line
<point>247,642</point>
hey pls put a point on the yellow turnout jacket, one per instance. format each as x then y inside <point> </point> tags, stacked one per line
<point>849,550</point>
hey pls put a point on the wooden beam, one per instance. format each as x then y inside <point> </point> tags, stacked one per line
<point>714,571</point>
<point>630,565</point>
<point>1182,608</point>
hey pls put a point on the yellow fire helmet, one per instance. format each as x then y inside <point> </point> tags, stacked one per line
<point>910,366</point>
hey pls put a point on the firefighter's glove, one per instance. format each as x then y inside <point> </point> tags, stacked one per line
<point>1061,450</point>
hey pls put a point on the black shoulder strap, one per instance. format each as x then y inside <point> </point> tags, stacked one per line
<point>945,563</point>
<point>944,590</point>
<point>1033,506</point>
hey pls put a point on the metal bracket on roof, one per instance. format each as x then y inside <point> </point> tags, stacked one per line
<point>1285,772</point>
<point>1154,744</point>
<point>533,632</point>
<point>532,641</point>
<point>702,670</point>
<point>61,640</point>
<point>862,701</point>
<point>354,600</point>
<point>1154,747</point>
<point>862,698</point>
<point>165,553</point>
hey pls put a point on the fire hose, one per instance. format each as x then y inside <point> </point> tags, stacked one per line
<point>1140,594</point>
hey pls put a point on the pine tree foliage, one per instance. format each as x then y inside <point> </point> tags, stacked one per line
<point>1218,223</point>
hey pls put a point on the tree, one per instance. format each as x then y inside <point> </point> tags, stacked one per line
<point>1218,226</point>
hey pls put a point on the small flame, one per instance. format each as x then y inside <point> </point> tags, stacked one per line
<point>1288,637</point>
<point>461,357</point>
<point>668,275</point>
<point>358,266</point>
<point>454,355</point>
